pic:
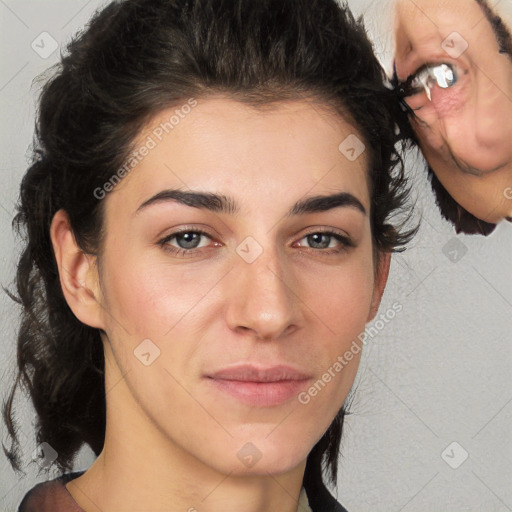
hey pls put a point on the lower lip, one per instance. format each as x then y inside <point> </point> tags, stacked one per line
<point>261,394</point>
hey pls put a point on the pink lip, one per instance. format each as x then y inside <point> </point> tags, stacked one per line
<point>258,386</point>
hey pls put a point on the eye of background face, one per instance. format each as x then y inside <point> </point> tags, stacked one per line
<point>442,75</point>
<point>443,87</point>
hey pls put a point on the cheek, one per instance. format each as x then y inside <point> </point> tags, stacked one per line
<point>341,299</point>
<point>346,303</point>
<point>149,297</point>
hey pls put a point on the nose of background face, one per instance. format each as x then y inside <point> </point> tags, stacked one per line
<point>263,293</point>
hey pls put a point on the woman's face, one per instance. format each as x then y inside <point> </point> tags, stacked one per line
<point>465,129</point>
<point>245,282</point>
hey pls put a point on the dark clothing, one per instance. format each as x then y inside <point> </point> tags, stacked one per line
<point>321,500</point>
<point>52,496</point>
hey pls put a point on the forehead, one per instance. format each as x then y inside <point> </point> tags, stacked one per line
<point>224,145</point>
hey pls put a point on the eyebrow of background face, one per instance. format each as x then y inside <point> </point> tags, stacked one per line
<point>223,204</point>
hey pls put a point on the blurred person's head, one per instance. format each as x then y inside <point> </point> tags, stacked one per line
<point>453,66</point>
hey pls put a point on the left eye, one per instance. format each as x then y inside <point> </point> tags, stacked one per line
<point>322,240</point>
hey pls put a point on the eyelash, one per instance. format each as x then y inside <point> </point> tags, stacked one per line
<point>346,242</point>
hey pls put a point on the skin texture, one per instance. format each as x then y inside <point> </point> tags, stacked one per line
<point>172,438</point>
<point>465,131</point>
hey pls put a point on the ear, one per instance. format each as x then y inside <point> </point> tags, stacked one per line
<point>381,278</point>
<point>78,273</point>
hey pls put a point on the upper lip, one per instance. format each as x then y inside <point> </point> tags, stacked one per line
<point>252,373</point>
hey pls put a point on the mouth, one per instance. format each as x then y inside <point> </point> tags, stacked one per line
<point>258,386</point>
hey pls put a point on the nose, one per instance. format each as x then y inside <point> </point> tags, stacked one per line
<point>263,298</point>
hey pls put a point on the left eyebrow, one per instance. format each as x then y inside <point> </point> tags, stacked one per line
<point>325,203</point>
<point>223,204</point>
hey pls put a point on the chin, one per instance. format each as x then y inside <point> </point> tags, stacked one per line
<point>270,465</point>
<point>260,457</point>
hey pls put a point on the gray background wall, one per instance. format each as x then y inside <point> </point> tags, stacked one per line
<point>438,374</point>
